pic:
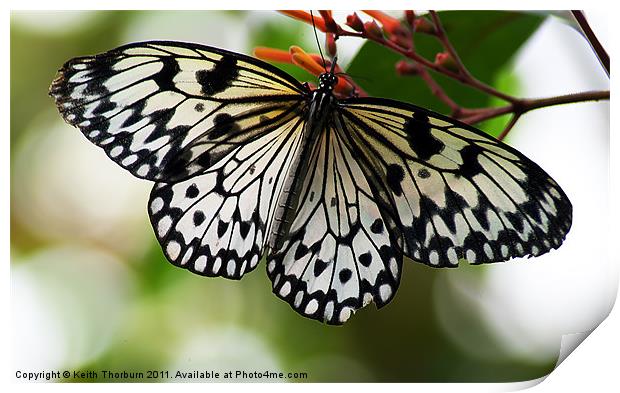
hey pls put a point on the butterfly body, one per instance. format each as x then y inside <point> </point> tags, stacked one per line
<point>248,163</point>
<point>320,103</point>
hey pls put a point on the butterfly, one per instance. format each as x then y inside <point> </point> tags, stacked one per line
<point>249,163</point>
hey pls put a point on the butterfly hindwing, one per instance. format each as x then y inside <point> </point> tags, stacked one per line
<point>216,223</point>
<point>457,192</point>
<point>339,254</point>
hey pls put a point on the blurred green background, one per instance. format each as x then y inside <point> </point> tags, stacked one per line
<point>93,291</point>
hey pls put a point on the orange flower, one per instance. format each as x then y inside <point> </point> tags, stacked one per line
<point>390,25</point>
<point>312,64</point>
<point>271,54</point>
<point>309,62</point>
<point>305,61</point>
<point>306,17</point>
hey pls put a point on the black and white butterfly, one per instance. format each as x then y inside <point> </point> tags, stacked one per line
<point>250,163</point>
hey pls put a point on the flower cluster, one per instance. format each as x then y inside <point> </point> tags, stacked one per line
<point>313,63</point>
<point>383,28</point>
<point>398,35</point>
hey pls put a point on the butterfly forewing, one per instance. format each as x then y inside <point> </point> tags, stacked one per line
<point>457,193</point>
<point>146,103</point>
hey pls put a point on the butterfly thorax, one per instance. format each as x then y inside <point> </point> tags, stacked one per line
<point>320,104</point>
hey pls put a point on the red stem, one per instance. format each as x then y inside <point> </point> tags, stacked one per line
<point>600,52</point>
<point>522,106</point>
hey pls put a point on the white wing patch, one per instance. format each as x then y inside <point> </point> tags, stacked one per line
<point>339,254</point>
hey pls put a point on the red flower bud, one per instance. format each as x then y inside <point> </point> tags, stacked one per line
<point>330,23</point>
<point>373,30</point>
<point>402,38</point>
<point>344,88</point>
<point>446,61</point>
<point>390,25</point>
<point>410,17</point>
<point>354,22</point>
<point>404,67</point>
<point>422,25</point>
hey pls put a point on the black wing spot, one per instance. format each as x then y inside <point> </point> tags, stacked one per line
<point>104,106</point>
<point>221,228</point>
<point>424,173</point>
<point>516,221</point>
<point>395,175</point>
<point>301,251</point>
<point>223,124</point>
<point>177,167</point>
<point>481,214</point>
<point>471,165</point>
<point>365,259</point>
<point>244,228</point>
<point>199,217</point>
<point>332,203</point>
<point>377,226</point>
<point>386,252</point>
<point>164,78</point>
<point>219,77</point>
<point>345,275</point>
<point>192,191</point>
<point>420,138</point>
<point>204,160</point>
<point>319,267</point>
<point>200,107</point>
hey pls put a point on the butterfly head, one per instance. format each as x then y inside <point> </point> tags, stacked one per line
<point>328,80</point>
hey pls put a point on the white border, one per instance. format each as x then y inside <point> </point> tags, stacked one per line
<point>593,365</point>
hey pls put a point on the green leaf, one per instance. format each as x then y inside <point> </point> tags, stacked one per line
<point>486,41</point>
<point>35,58</point>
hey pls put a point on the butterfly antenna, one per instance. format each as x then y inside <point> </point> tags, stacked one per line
<point>333,67</point>
<point>317,41</point>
